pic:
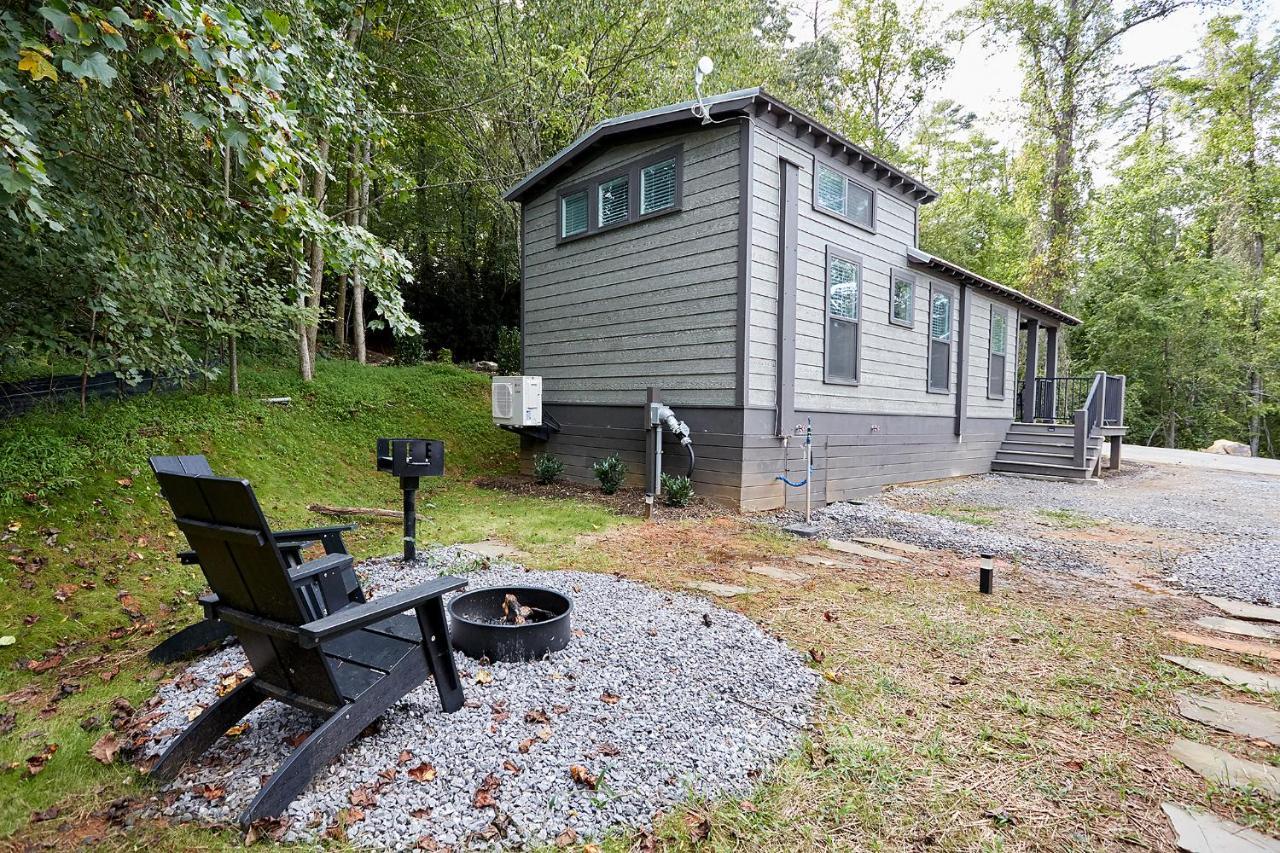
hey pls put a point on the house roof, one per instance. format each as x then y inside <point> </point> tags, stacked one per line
<point>731,104</point>
<point>955,272</point>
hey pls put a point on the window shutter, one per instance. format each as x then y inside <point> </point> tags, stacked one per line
<point>658,186</point>
<point>573,214</point>
<point>832,187</point>
<point>615,201</point>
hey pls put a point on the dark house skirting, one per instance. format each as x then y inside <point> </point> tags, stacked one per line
<point>740,457</point>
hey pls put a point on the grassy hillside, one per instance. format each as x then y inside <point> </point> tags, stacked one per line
<point>89,583</point>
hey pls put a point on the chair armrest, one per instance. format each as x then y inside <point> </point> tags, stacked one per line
<point>311,533</point>
<point>327,563</point>
<point>359,615</point>
<point>188,558</point>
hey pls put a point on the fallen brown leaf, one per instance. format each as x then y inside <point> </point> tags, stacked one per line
<point>484,794</point>
<point>567,837</point>
<point>537,716</point>
<point>45,664</point>
<point>36,763</point>
<point>362,797</point>
<point>583,776</point>
<point>699,827</point>
<point>525,744</point>
<point>405,757</point>
<point>609,698</point>
<point>106,748</point>
<point>423,773</point>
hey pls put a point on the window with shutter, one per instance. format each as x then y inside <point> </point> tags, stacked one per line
<point>573,214</point>
<point>658,186</point>
<point>997,359</point>
<point>844,292</point>
<point>614,200</point>
<point>940,340</point>
<point>902,302</point>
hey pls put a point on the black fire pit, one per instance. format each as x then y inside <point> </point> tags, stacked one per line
<point>481,628</point>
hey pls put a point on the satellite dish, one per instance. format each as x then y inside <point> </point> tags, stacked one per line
<point>705,66</point>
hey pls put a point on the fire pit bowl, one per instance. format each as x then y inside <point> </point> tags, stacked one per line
<point>481,628</point>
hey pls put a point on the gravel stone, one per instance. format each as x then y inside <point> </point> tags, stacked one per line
<point>702,711</point>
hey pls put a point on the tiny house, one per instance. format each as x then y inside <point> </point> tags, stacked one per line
<point>763,273</point>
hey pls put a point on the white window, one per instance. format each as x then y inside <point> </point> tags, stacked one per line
<point>838,194</point>
<point>658,186</point>
<point>902,300</point>
<point>614,201</point>
<point>999,352</point>
<point>573,213</point>
<point>844,294</point>
<point>940,340</point>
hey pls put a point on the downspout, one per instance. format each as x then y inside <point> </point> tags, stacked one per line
<point>962,362</point>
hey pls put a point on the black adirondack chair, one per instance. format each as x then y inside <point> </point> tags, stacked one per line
<point>349,666</point>
<point>322,593</point>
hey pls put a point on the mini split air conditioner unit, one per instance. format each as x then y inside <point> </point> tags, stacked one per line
<point>517,401</point>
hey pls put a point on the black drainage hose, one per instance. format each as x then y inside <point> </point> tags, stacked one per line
<point>692,458</point>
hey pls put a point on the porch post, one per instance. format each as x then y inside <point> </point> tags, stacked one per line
<point>1051,370</point>
<point>1031,354</point>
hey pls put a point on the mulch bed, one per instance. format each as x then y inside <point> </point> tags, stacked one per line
<point>627,501</point>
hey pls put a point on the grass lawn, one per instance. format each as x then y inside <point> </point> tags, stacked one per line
<point>1034,719</point>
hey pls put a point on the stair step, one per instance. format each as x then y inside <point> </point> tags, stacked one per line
<point>1022,440</point>
<point>1032,457</point>
<point>1066,472</point>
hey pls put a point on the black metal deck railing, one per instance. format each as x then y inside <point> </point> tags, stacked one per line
<point>1058,398</point>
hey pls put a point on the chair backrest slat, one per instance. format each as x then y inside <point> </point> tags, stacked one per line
<point>243,565</point>
<point>196,464</point>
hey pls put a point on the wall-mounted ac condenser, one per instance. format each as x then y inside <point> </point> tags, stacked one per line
<point>517,401</point>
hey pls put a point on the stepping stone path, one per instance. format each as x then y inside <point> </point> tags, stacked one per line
<point>1227,645</point>
<point>825,562</point>
<point>893,545</point>
<point>1221,766</point>
<point>774,572</point>
<point>1199,831</point>
<point>721,590</point>
<point>1242,610</point>
<point>1229,675</point>
<point>1238,626</point>
<point>1251,721</point>
<point>863,551</point>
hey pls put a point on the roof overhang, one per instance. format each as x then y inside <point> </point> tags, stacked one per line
<point>955,272</point>
<point>743,103</point>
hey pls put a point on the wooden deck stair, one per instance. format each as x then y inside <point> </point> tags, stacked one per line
<point>1045,450</point>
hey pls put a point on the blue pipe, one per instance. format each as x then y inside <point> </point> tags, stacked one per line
<point>808,440</point>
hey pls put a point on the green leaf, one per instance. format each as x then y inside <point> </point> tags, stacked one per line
<point>277,22</point>
<point>200,121</point>
<point>151,53</point>
<point>119,17</point>
<point>61,21</point>
<point>94,66</point>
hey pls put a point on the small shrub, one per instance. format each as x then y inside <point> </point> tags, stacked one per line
<point>508,353</point>
<point>610,471</point>
<point>676,491</point>
<point>411,349</point>
<point>445,355</point>
<point>546,468</point>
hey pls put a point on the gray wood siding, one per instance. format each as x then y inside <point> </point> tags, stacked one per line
<point>651,303</point>
<point>978,406</point>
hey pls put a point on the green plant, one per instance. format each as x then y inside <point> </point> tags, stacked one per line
<point>546,468</point>
<point>677,490</point>
<point>508,353</point>
<point>410,350</point>
<point>445,355</point>
<point>610,471</point>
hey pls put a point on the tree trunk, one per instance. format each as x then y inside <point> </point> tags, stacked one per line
<point>233,367</point>
<point>357,275</point>
<point>351,216</point>
<point>233,363</point>
<point>315,257</point>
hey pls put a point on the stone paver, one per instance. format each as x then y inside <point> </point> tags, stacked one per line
<point>1199,831</point>
<point>1240,609</point>
<point>1239,626</point>
<point>494,549</point>
<point>774,572</point>
<point>1251,721</point>
<point>892,545</point>
<point>1226,644</point>
<point>1221,766</point>
<point>1230,675</point>
<point>825,562</point>
<point>863,551</point>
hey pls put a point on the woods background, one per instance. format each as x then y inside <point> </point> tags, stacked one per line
<point>182,180</point>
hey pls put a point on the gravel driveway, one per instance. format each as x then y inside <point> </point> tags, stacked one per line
<point>1205,530</point>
